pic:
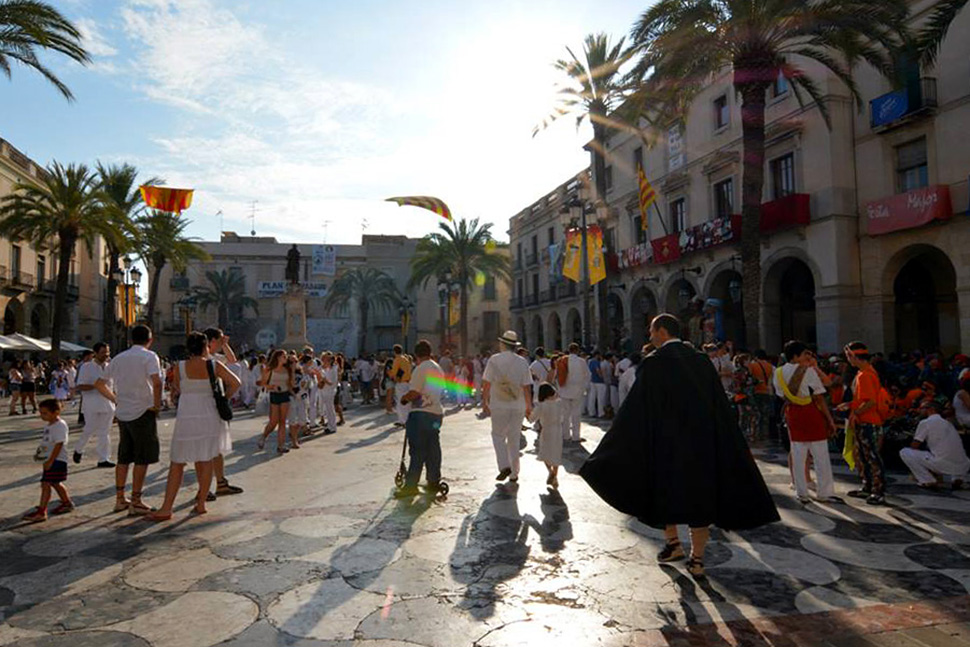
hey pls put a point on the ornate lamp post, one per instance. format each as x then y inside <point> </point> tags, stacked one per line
<point>128,277</point>
<point>406,309</point>
<point>574,215</point>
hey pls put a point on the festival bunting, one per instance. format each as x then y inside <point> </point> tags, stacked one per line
<point>425,202</point>
<point>454,309</point>
<point>573,255</point>
<point>167,199</point>
<point>647,197</point>
<point>597,261</point>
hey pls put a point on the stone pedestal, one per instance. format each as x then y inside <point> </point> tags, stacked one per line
<point>294,309</point>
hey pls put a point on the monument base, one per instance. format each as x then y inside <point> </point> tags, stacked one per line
<point>294,309</point>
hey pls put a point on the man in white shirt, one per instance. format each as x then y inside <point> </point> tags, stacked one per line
<point>137,377</point>
<point>365,373</point>
<point>478,370</point>
<point>507,398</point>
<point>97,405</point>
<point>946,455</point>
<point>539,368</point>
<point>571,393</point>
<point>423,426</point>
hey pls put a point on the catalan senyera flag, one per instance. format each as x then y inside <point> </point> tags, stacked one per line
<point>572,261</point>
<point>595,256</point>
<point>454,309</point>
<point>425,202</point>
<point>167,199</point>
<point>128,313</point>
<point>647,196</point>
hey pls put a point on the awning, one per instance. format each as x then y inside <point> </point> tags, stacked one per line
<point>31,344</point>
<point>68,346</point>
<point>7,343</point>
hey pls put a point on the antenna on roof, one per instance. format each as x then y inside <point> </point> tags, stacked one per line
<point>222,223</point>
<point>326,227</point>
<point>252,218</point>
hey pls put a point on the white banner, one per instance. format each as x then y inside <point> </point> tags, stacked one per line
<point>273,289</point>
<point>324,260</point>
<point>675,148</point>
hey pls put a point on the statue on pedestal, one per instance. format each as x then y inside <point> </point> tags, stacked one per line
<point>293,265</point>
<point>294,304</point>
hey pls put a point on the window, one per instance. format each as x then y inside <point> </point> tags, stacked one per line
<point>780,86</point>
<point>490,291</point>
<point>912,171</point>
<point>535,244</point>
<point>639,234</point>
<point>637,158</point>
<point>722,115</point>
<point>519,294</point>
<point>41,269</point>
<point>552,235</point>
<point>608,178</point>
<point>15,261</point>
<point>490,323</point>
<point>678,215</point>
<point>783,176</point>
<point>724,198</point>
<point>609,238</point>
<point>518,255</point>
<point>535,285</point>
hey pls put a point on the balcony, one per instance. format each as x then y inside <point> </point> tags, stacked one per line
<point>21,280</point>
<point>793,210</point>
<point>531,259</point>
<point>515,303</point>
<point>899,107</point>
<point>516,264</point>
<point>567,289</point>
<point>532,299</point>
<point>179,283</point>
<point>4,278</point>
<point>548,296</point>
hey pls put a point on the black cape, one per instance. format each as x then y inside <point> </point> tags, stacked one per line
<point>675,454</point>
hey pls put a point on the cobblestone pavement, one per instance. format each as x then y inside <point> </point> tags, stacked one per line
<point>316,552</point>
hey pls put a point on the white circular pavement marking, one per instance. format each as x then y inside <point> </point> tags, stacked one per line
<point>782,561</point>
<point>884,557</point>
<point>177,571</point>
<point>327,610</point>
<point>817,598</point>
<point>322,525</point>
<point>67,577</point>
<point>195,619</point>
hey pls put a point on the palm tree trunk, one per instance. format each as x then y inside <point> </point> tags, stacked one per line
<point>752,186</point>
<point>155,276</point>
<point>464,315</point>
<point>109,315</point>
<point>602,289</point>
<point>362,333</point>
<point>67,242</point>
<point>223,316</point>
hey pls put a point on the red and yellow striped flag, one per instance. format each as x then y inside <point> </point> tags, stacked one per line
<point>166,199</point>
<point>425,202</point>
<point>647,196</point>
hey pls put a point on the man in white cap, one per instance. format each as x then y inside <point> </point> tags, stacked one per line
<point>507,398</point>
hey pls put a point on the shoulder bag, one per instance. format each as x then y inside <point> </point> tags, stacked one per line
<point>222,402</point>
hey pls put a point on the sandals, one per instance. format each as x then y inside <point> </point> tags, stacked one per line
<point>154,515</point>
<point>282,450</point>
<point>121,501</point>
<point>137,508</point>
<point>261,443</point>
<point>63,508</point>
<point>695,566</point>
<point>672,552</point>
<point>35,516</point>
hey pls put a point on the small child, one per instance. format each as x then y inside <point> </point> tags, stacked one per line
<point>549,413</point>
<point>54,445</point>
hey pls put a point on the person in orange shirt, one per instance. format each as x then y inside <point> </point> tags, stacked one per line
<point>865,419</point>
<point>762,371</point>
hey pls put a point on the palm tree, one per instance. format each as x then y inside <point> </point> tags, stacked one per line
<point>66,204</point>
<point>227,292</point>
<point>122,204</point>
<point>682,44</point>
<point>162,242</point>
<point>370,289</point>
<point>465,250</point>
<point>594,91</point>
<point>934,32</point>
<point>27,26</point>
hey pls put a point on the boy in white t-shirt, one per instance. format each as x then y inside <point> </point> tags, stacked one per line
<point>54,447</point>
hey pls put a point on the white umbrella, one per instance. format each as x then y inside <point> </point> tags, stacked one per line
<point>7,343</point>
<point>68,346</point>
<point>32,344</point>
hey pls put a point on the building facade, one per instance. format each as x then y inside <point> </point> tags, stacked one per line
<point>864,220</point>
<point>261,261</point>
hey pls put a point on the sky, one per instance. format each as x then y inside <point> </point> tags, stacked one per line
<point>315,111</point>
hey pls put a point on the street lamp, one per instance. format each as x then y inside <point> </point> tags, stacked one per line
<point>187,306</point>
<point>575,214</point>
<point>405,310</point>
<point>128,277</point>
<point>443,298</point>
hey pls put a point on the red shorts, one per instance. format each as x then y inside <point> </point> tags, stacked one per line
<point>806,424</point>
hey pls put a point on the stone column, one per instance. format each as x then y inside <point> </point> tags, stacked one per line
<point>294,309</point>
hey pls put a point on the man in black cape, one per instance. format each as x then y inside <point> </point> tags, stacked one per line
<point>675,455</point>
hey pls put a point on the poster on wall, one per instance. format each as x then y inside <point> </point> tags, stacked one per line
<point>324,260</point>
<point>273,289</point>
<point>675,148</point>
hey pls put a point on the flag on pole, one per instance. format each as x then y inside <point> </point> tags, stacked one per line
<point>573,256</point>
<point>647,196</point>
<point>166,199</point>
<point>596,259</point>
<point>425,202</point>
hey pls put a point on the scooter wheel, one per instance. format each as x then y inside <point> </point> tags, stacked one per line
<point>443,489</point>
<point>399,479</point>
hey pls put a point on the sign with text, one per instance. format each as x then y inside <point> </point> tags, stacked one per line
<point>635,256</point>
<point>675,148</point>
<point>324,260</point>
<point>908,210</point>
<point>274,289</point>
<point>889,108</point>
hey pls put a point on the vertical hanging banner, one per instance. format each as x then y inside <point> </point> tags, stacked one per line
<point>324,260</point>
<point>597,260</point>
<point>573,255</point>
<point>127,302</point>
<point>454,308</point>
<point>555,262</point>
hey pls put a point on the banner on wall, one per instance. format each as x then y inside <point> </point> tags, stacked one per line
<point>454,308</point>
<point>597,261</point>
<point>272,289</point>
<point>324,260</point>
<point>573,256</point>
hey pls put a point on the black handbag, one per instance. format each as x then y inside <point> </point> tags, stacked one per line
<point>222,402</point>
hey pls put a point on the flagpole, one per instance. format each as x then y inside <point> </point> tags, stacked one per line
<point>661,218</point>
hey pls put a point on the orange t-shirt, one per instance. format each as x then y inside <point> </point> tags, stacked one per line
<point>865,388</point>
<point>763,372</point>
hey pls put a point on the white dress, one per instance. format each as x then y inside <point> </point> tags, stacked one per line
<point>549,414</point>
<point>200,434</point>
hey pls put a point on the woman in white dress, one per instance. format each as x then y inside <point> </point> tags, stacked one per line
<point>200,434</point>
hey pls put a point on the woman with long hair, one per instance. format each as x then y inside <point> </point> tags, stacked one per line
<point>277,379</point>
<point>28,387</point>
<point>14,381</point>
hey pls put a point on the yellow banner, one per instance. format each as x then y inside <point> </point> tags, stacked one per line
<point>597,261</point>
<point>127,306</point>
<point>573,256</point>
<point>454,309</point>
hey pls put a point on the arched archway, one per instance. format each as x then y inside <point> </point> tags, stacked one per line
<point>574,327</point>
<point>789,302</point>
<point>13,317</point>
<point>680,294</point>
<point>925,313</point>
<point>39,322</point>
<point>520,329</point>
<point>726,288</point>
<point>615,318</point>
<point>643,308</point>
<point>554,338</point>
<point>536,334</point>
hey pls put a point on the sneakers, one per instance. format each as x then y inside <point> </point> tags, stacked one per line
<point>672,552</point>
<point>101,464</point>
<point>876,499</point>
<point>804,500</point>
<point>77,458</point>
<point>859,494</point>
<point>504,474</point>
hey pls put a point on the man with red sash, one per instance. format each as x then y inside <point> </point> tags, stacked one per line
<point>809,421</point>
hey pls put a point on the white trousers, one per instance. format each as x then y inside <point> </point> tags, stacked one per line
<point>597,399</point>
<point>615,398</point>
<point>506,430</point>
<point>327,409</point>
<point>572,417</point>
<point>925,466</point>
<point>823,468</point>
<point>400,390</point>
<point>313,405</point>
<point>97,425</point>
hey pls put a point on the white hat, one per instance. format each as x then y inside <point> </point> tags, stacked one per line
<point>510,338</point>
